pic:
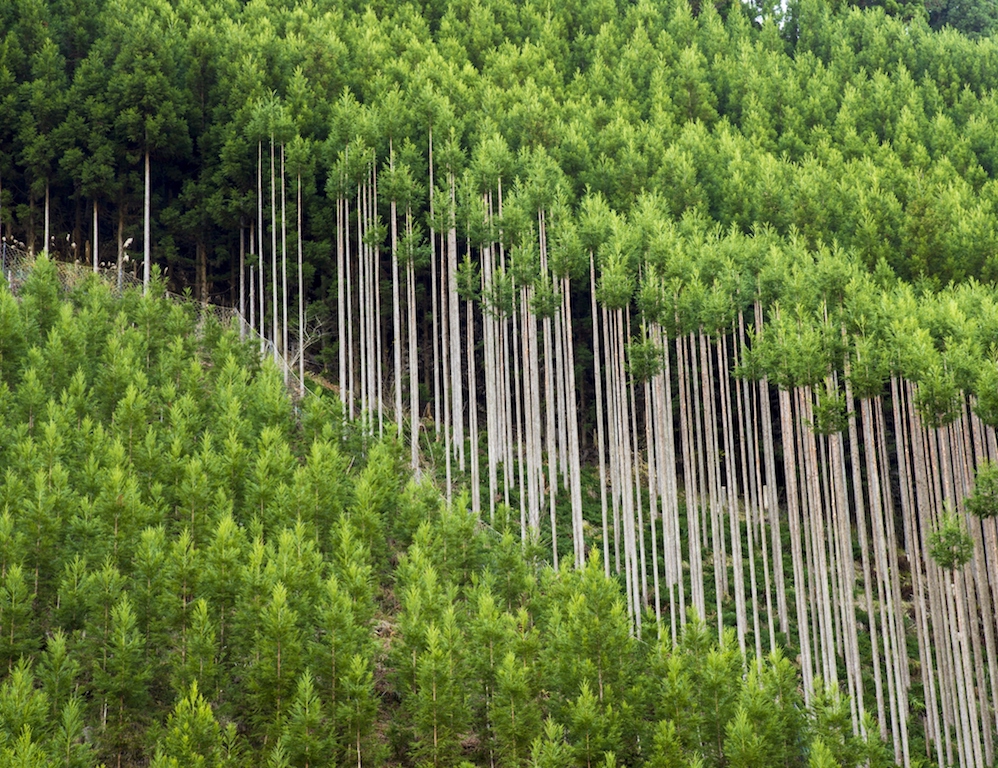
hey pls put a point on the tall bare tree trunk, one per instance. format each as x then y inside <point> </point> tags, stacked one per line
<point>457,399</point>
<point>396,298</point>
<point>146,244</point>
<point>790,464</point>
<point>600,439</point>
<point>694,535</point>
<point>260,231</point>
<point>476,484</point>
<point>377,336</point>
<point>273,248</point>
<point>435,301</point>
<point>242,278</point>
<point>301,294</point>
<point>410,272</point>
<point>572,414</point>
<point>96,251</point>
<point>495,429</point>
<point>284,271</point>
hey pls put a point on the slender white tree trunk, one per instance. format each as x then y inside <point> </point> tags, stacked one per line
<point>96,252</point>
<point>697,592</point>
<point>435,309</point>
<point>242,279</point>
<point>301,295</point>
<point>493,425</point>
<point>572,413</point>
<point>713,466</point>
<point>476,485</point>
<point>252,297</point>
<point>598,377</point>
<point>273,248</point>
<point>550,404</point>
<point>341,294</point>
<point>520,416</point>
<point>363,307</point>
<point>652,463</point>
<point>410,271</point>
<point>612,439</point>
<point>446,348</point>
<point>351,380</point>
<point>910,516</point>
<point>284,271</point>
<point>376,334</point>
<point>749,473</point>
<point>734,513</point>
<point>638,505</point>
<point>260,231</point>
<point>457,399</point>
<point>146,244</point>
<point>671,539</point>
<point>396,298</point>
<point>797,555</point>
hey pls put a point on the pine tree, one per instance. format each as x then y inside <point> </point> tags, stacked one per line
<point>594,730</point>
<point>306,738</point>
<point>357,710</point>
<point>276,664</point>
<point>23,708</point>
<point>550,750</point>
<point>742,745</point>
<point>58,671</point>
<point>17,635</point>
<point>198,664</point>
<point>67,745</point>
<point>192,736</point>
<point>440,707</point>
<point>515,713</point>
<point>122,680</point>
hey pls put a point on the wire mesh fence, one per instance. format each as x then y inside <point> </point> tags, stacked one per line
<point>15,264</point>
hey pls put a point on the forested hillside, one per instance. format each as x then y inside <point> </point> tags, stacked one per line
<point>705,288</point>
<point>194,571</point>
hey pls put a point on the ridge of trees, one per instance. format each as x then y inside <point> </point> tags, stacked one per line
<point>850,126</point>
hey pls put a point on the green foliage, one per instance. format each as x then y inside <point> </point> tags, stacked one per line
<point>983,502</point>
<point>271,678</point>
<point>306,738</point>
<point>193,735</point>
<point>616,284</point>
<point>830,412</point>
<point>41,297</point>
<point>18,637</point>
<point>358,710</point>
<point>821,756</point>
<point>439,708</point>
<point>23,709</point>
<point>937,398</point>
<point>644,360</point>
<point>832,739</point>
<point>950,545</point>
<point>515,711</point>
<point>376,495</point>
<point>12,336</point>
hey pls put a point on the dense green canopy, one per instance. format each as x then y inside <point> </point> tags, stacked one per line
<point>841,125</point>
